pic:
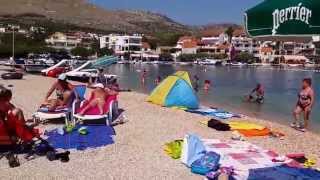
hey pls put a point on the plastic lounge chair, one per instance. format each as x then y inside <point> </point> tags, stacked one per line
<point>107,117</point>
<point>65,113</point>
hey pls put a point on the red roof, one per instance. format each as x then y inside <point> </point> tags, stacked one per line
<point>146,45</point>
<point>266,49</point>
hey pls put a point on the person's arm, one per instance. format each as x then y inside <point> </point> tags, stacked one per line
<point>52,88</point>
<point>312,98</point>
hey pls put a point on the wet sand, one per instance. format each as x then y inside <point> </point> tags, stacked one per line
<point>137,152</point>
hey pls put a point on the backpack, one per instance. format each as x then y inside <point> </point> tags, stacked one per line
<point>207,163</point>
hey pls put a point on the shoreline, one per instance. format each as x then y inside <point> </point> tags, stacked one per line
<point>138,149</point>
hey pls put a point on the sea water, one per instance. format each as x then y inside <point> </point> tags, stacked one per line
<point>229,85</point>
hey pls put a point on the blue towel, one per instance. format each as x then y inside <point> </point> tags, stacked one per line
<point>214,113</point>
<point>97,136</point>
<point>284,172</point>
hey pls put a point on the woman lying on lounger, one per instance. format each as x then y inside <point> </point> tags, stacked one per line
<point>64,91</point>
<point>99,98</point>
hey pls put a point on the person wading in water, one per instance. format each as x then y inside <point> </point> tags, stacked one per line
<point>304,105</point>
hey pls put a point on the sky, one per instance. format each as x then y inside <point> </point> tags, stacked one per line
<point>190,12</point>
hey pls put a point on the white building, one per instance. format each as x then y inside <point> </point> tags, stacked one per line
<point>2,29</point>
<point>122,44</point>
<point>66,41</point>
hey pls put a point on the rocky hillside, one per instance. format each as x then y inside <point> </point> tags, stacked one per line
<point>83,14</point>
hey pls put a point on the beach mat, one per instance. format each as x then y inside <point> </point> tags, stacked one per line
<point>97,136</point>
<point>242,156</point>
<point>284,172</point>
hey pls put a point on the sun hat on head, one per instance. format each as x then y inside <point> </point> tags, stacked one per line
<point>62,77</point>
<point>99,85</point>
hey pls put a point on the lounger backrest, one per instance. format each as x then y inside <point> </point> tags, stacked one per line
<point>80,91</point>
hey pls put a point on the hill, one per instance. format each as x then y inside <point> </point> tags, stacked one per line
<point>82,14</point>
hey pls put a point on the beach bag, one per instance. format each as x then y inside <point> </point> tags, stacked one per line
<point>192,149</point>
<point>173,149</point>
<point>207,163</point>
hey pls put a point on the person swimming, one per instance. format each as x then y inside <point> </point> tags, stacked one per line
<point>207,85</point>
<point>196,83</point>
<point>304,105</point>
<point>259,92</point>
<point>64,91</point>
<point>143,76</point>
<point>157,80</point>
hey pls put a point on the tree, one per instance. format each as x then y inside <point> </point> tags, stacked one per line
<point>105,52</point>
<point>229,32</point>
<point>245,57</point>
<point>82,52</point>
<point>165,57</point>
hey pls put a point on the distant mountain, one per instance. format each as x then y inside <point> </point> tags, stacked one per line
<point>83,14</point>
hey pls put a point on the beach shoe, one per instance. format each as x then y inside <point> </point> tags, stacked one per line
<point>294,125</point>
<point>302,129</point>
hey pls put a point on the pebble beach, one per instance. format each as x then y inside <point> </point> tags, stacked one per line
<point>138,149</point>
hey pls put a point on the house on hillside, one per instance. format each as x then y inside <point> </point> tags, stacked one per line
<point>122,44</point>
<point>266,54</point>
<point>187,45</point>
<point>66,41</point>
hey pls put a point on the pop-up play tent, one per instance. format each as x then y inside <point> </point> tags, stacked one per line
<point>175,91</point>
<point>284,19</point>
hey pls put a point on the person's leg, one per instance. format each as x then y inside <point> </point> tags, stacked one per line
<point>306,116</point>
<point>296,115</point>
<point>66,97</point>
<point>91,104</point>
<point>17,122</point>
<point>52,104</point>
<point>101,104</point>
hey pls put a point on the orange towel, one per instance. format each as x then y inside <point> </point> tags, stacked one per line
<point>255,132</point>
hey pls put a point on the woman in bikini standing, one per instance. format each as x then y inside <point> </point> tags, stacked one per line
<point>304,105</point>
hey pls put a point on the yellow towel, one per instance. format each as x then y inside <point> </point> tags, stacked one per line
<point>204,122</point>
<point>241,125</point>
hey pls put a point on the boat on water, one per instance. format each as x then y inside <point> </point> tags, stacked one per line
<point>238,64</point>
<point>208,62</point>
<point>89,69</point>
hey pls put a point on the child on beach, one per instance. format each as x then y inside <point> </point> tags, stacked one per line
<point>304,105</point>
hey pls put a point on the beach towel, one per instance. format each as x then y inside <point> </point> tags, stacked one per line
<point>192,150</point>
<point>242,125</point>
<point>214,113</point>
<point>97,136</point>
<point>255,132</point>
<point>241,155</point>
<point>284,172</point>
<point>95,110</point>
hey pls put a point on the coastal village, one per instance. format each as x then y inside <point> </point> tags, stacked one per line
<point>217,46</point>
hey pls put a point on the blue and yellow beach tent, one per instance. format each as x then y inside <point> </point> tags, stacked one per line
<point>175,91</point>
